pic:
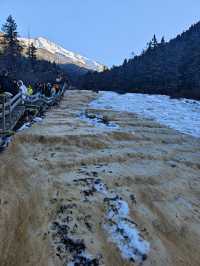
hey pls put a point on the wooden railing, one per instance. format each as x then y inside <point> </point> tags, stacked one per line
<point>38,97</point>
<point>8,106</point>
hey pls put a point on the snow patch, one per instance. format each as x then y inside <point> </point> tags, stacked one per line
<point>29,124</point>
<point>180,114</point>
<point>124,233</point>
<point>37,119</point>
<point>25,126</point>
<point>121,229</point>
<point>100,187</point>
<point>98,121</point>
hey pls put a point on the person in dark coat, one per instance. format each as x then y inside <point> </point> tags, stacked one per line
<point>6,82</point>
<point>1,89</point>
<point>15,87</point>
<point>49,89</point>
<point>40,87</point>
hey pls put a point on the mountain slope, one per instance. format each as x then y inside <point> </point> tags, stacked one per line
<point>53,52</point>
<point>171,68</point>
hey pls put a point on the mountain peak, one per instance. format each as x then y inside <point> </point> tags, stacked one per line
<point>51,51</point>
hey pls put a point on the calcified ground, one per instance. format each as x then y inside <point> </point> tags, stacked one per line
<point>48,202</point>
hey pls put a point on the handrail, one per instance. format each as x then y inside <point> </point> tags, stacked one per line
<point>45,99</point>
<point>15,104</point>
<point>19,95</point>
<point>12,100</point>
<point>7,105</point>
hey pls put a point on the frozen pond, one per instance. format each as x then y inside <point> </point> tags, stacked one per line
<point>180,114</point>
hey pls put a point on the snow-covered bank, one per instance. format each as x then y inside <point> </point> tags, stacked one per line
<point>182,115</point>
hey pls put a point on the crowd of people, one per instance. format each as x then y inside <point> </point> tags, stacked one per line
<point>14,86</point>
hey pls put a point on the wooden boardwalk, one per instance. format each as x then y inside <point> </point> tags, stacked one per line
<point>12,120</point>
<point>12,109</point>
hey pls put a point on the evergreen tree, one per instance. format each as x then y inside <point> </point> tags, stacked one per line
<point>125,62</point>
<point>154,42</point>
<point>32,53</point>
<point>149,47</point>
<point>54,65</point>
<point>133,54</point>
<point>12,50</point>
<point>162,41</point>
<point>105,68</point>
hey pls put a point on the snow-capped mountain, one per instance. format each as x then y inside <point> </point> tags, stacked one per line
<point>51,51</point>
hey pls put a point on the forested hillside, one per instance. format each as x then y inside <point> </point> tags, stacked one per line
<point>171,68</point>
<point>23,63</point>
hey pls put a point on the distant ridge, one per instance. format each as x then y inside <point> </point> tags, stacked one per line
<point>53,52</point>
<point>170,68</point>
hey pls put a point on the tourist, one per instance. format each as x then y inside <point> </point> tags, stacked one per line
<point>23,89</point>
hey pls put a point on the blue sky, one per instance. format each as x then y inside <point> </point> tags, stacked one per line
<point>104,30</point>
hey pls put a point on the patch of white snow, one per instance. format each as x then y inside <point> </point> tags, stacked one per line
<point>124,233</point>
<point>121,229</point>
<point>180,114</point>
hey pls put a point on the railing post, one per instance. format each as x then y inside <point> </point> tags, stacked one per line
<point>10,112</point>
<point>3,113</point>
<point>21,98</point>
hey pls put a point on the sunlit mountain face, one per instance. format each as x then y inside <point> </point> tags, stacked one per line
<point>53,52</point>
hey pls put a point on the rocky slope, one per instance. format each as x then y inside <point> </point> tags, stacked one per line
<point>53,52</point>
<point>124,192</point>
<point>73,63</point>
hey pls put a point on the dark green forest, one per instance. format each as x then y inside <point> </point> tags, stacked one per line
<point>20,64</point>
<point>171,68</point>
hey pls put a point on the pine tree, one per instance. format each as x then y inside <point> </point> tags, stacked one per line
<point>32,52</point>
<point>125,62</point>
<point>133,54</point>
<point>149,47</point>
<point>105,68</point>
<point>154,42</point>
<point>162,41</point>
<point>54,65</point>
<point>12,49</point>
